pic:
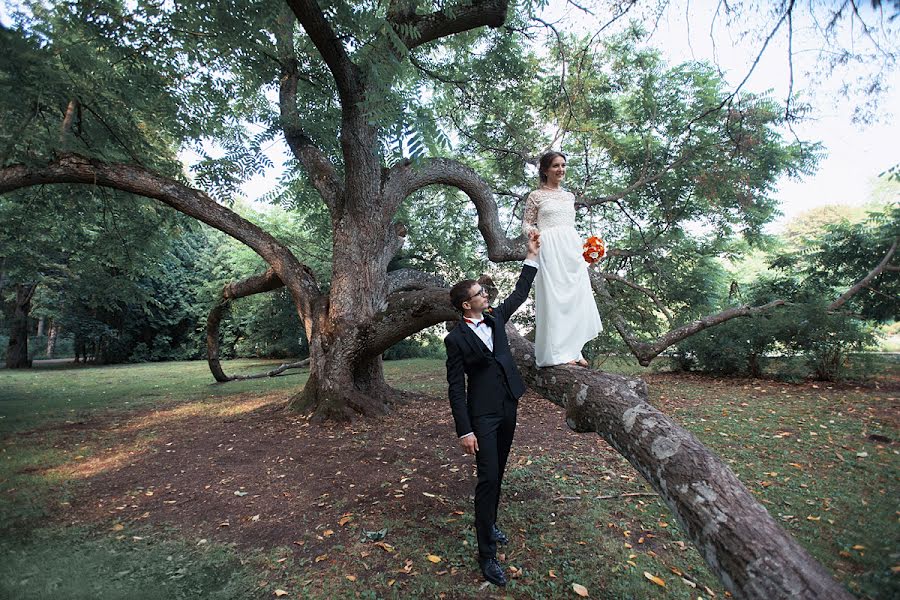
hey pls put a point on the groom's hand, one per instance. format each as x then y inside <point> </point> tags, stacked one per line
<point>534,245</point>
<point>469,443</point>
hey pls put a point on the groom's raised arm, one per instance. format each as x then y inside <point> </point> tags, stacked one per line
<point>520,293</point>
<point>523,285</point>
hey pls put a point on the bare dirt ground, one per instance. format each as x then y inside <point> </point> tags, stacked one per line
<point>245,471</point>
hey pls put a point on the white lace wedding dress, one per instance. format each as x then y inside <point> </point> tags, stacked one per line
<point>566,313</point>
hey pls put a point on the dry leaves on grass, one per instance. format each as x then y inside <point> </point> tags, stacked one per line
<point>580,590</point>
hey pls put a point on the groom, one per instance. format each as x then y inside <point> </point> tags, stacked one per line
<point>485,410</point>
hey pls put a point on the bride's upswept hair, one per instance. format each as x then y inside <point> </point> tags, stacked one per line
<point>546,161</point>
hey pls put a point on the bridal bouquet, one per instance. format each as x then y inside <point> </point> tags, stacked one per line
<point>593,249</point>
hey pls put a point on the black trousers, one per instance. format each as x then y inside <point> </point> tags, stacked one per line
<point>495,435</point>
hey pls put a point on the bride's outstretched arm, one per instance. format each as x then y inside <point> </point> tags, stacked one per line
<point>529,219</point>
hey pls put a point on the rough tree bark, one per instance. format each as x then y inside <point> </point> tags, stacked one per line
<point>17,350</point>
<point>742,544</point>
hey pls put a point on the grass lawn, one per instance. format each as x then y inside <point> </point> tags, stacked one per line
<point>149,481</point>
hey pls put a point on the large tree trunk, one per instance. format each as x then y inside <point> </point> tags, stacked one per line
<point>17,350</point>
<point>742,544</point>
<point>342,387</point>
<point>346,378</point>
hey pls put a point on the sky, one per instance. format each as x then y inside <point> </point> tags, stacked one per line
<point>855,153</point>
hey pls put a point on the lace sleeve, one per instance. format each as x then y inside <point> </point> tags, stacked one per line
<point>529,219</point>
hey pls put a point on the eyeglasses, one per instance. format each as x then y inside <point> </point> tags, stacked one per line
<point>481,292</point>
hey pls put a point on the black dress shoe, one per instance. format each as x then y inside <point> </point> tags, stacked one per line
<point>498,536</point>
<point>493,571</point>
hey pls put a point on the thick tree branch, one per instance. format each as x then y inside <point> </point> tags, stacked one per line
<point>321,171</point>
<point>257,284</point>
<point>742,544</point>
<point>862,283</point>
<point>411,279</point>
<point>404,179</point>
<point>73,168</point>
<point>330,47</point>
<point>439,24</point>
<point>406,313</point>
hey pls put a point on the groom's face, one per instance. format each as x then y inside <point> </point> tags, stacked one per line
<point>478,298</point>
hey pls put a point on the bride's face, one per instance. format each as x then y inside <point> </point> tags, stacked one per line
<point>556,171</point>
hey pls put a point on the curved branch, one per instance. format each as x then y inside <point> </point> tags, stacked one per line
<point>415,30</point>
<point>73,168</point>
<point>882,266</point>
<point>330,47</point>
<point>742,544</point>
<point>257,284</point>
<point>321,171</point>
<point>645,352</point>
<point>406,313</point>
<point>404,179</point>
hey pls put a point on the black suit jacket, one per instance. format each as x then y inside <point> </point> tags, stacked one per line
<point>487,373</point>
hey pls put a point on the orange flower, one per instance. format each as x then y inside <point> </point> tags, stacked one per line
<point>594,249</point>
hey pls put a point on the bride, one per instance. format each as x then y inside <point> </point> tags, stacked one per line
<point>566,314</point>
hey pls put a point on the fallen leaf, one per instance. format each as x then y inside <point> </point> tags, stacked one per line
<point>552,573</point>
<point>580,590</point>
<point>242,494</point>
<point>328,532</point>
<point>321,557</point>
<point>280,593</point>
<point>812,518</point>
<point>118,527</point>
<point>345,519</point>
<point>434,558</point>
<point>859,547</point>
<point>351,577</point>
<point>655,579</point>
